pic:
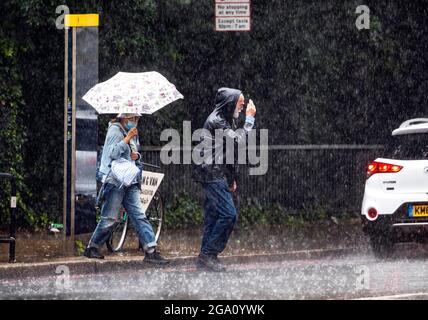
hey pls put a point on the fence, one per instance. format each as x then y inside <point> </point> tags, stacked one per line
<point>299,178</point>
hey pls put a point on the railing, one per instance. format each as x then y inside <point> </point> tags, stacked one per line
<point>11,239</point>
<point>300,178</point>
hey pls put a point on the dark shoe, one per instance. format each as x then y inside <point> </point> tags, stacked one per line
<point>218,261</point>
<point>209,263</point>
<point>93,253</point>
<point>155,258</point>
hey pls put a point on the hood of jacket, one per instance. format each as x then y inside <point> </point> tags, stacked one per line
<point>225,102</point>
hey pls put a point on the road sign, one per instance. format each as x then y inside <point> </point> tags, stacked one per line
<point>149,185</point>
<point>232,15</point>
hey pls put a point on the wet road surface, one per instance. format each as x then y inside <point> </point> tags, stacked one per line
<point>360,275</point>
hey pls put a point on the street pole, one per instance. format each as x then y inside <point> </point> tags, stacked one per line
<point>80,126</point>
<point>238,59</point>
<point>65,187</point>
<point>73,144</point>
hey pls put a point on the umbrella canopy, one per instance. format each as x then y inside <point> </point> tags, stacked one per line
<point>127,92</point>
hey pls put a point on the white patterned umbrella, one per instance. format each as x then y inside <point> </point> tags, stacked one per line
<point>127,92</point>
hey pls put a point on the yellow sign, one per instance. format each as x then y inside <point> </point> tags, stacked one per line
<point>81,20</point>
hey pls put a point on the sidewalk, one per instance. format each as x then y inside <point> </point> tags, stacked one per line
<point>40,254</point>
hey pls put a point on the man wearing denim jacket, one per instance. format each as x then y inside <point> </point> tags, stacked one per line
<point>122,142</point>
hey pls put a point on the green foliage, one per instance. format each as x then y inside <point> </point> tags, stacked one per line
<point>186,213</point>
<point>314,77</point>
<point>98,215</point>
<point>79,247</point>
<point>31,93</point>
<point>253,216</point>
<point>183,213</point>
<point>12,135</point>
<point>261,216</point>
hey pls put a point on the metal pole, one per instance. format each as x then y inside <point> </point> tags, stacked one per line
<point>72,89</point>
<point>238,60</point>
<point>73,143</point>
<point>64,213</point>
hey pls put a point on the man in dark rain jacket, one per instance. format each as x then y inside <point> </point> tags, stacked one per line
<point>218,174</point>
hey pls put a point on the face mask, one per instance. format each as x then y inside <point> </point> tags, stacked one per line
<point>130,124</point>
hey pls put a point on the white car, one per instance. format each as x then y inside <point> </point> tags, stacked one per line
<point>395,204</point>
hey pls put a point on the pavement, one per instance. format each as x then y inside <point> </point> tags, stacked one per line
<point>41,253</point>
<point>118,263</point>
<point>322,274</point>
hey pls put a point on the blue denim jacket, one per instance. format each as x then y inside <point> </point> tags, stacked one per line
<point>115,148</point>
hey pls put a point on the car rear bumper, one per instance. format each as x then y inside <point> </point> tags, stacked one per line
<point>397,225</point>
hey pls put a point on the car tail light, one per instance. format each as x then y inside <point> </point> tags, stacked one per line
<point>379,167</point>
<point>372,213</point>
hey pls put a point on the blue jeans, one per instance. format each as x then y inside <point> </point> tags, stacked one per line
<point>129,198</point>
<point>219,217</point>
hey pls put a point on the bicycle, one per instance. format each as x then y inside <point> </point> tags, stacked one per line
<point>154,213</point>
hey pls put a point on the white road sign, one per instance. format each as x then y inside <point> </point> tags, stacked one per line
<point>232,9</point>
<point>150,184</point>
<point>232,15</point>
<point>233,24</point>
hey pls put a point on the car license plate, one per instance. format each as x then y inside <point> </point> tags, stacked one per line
<point>418,211</point>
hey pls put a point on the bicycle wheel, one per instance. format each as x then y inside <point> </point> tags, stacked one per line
<point>155,214</point>
<point>118,235</point>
